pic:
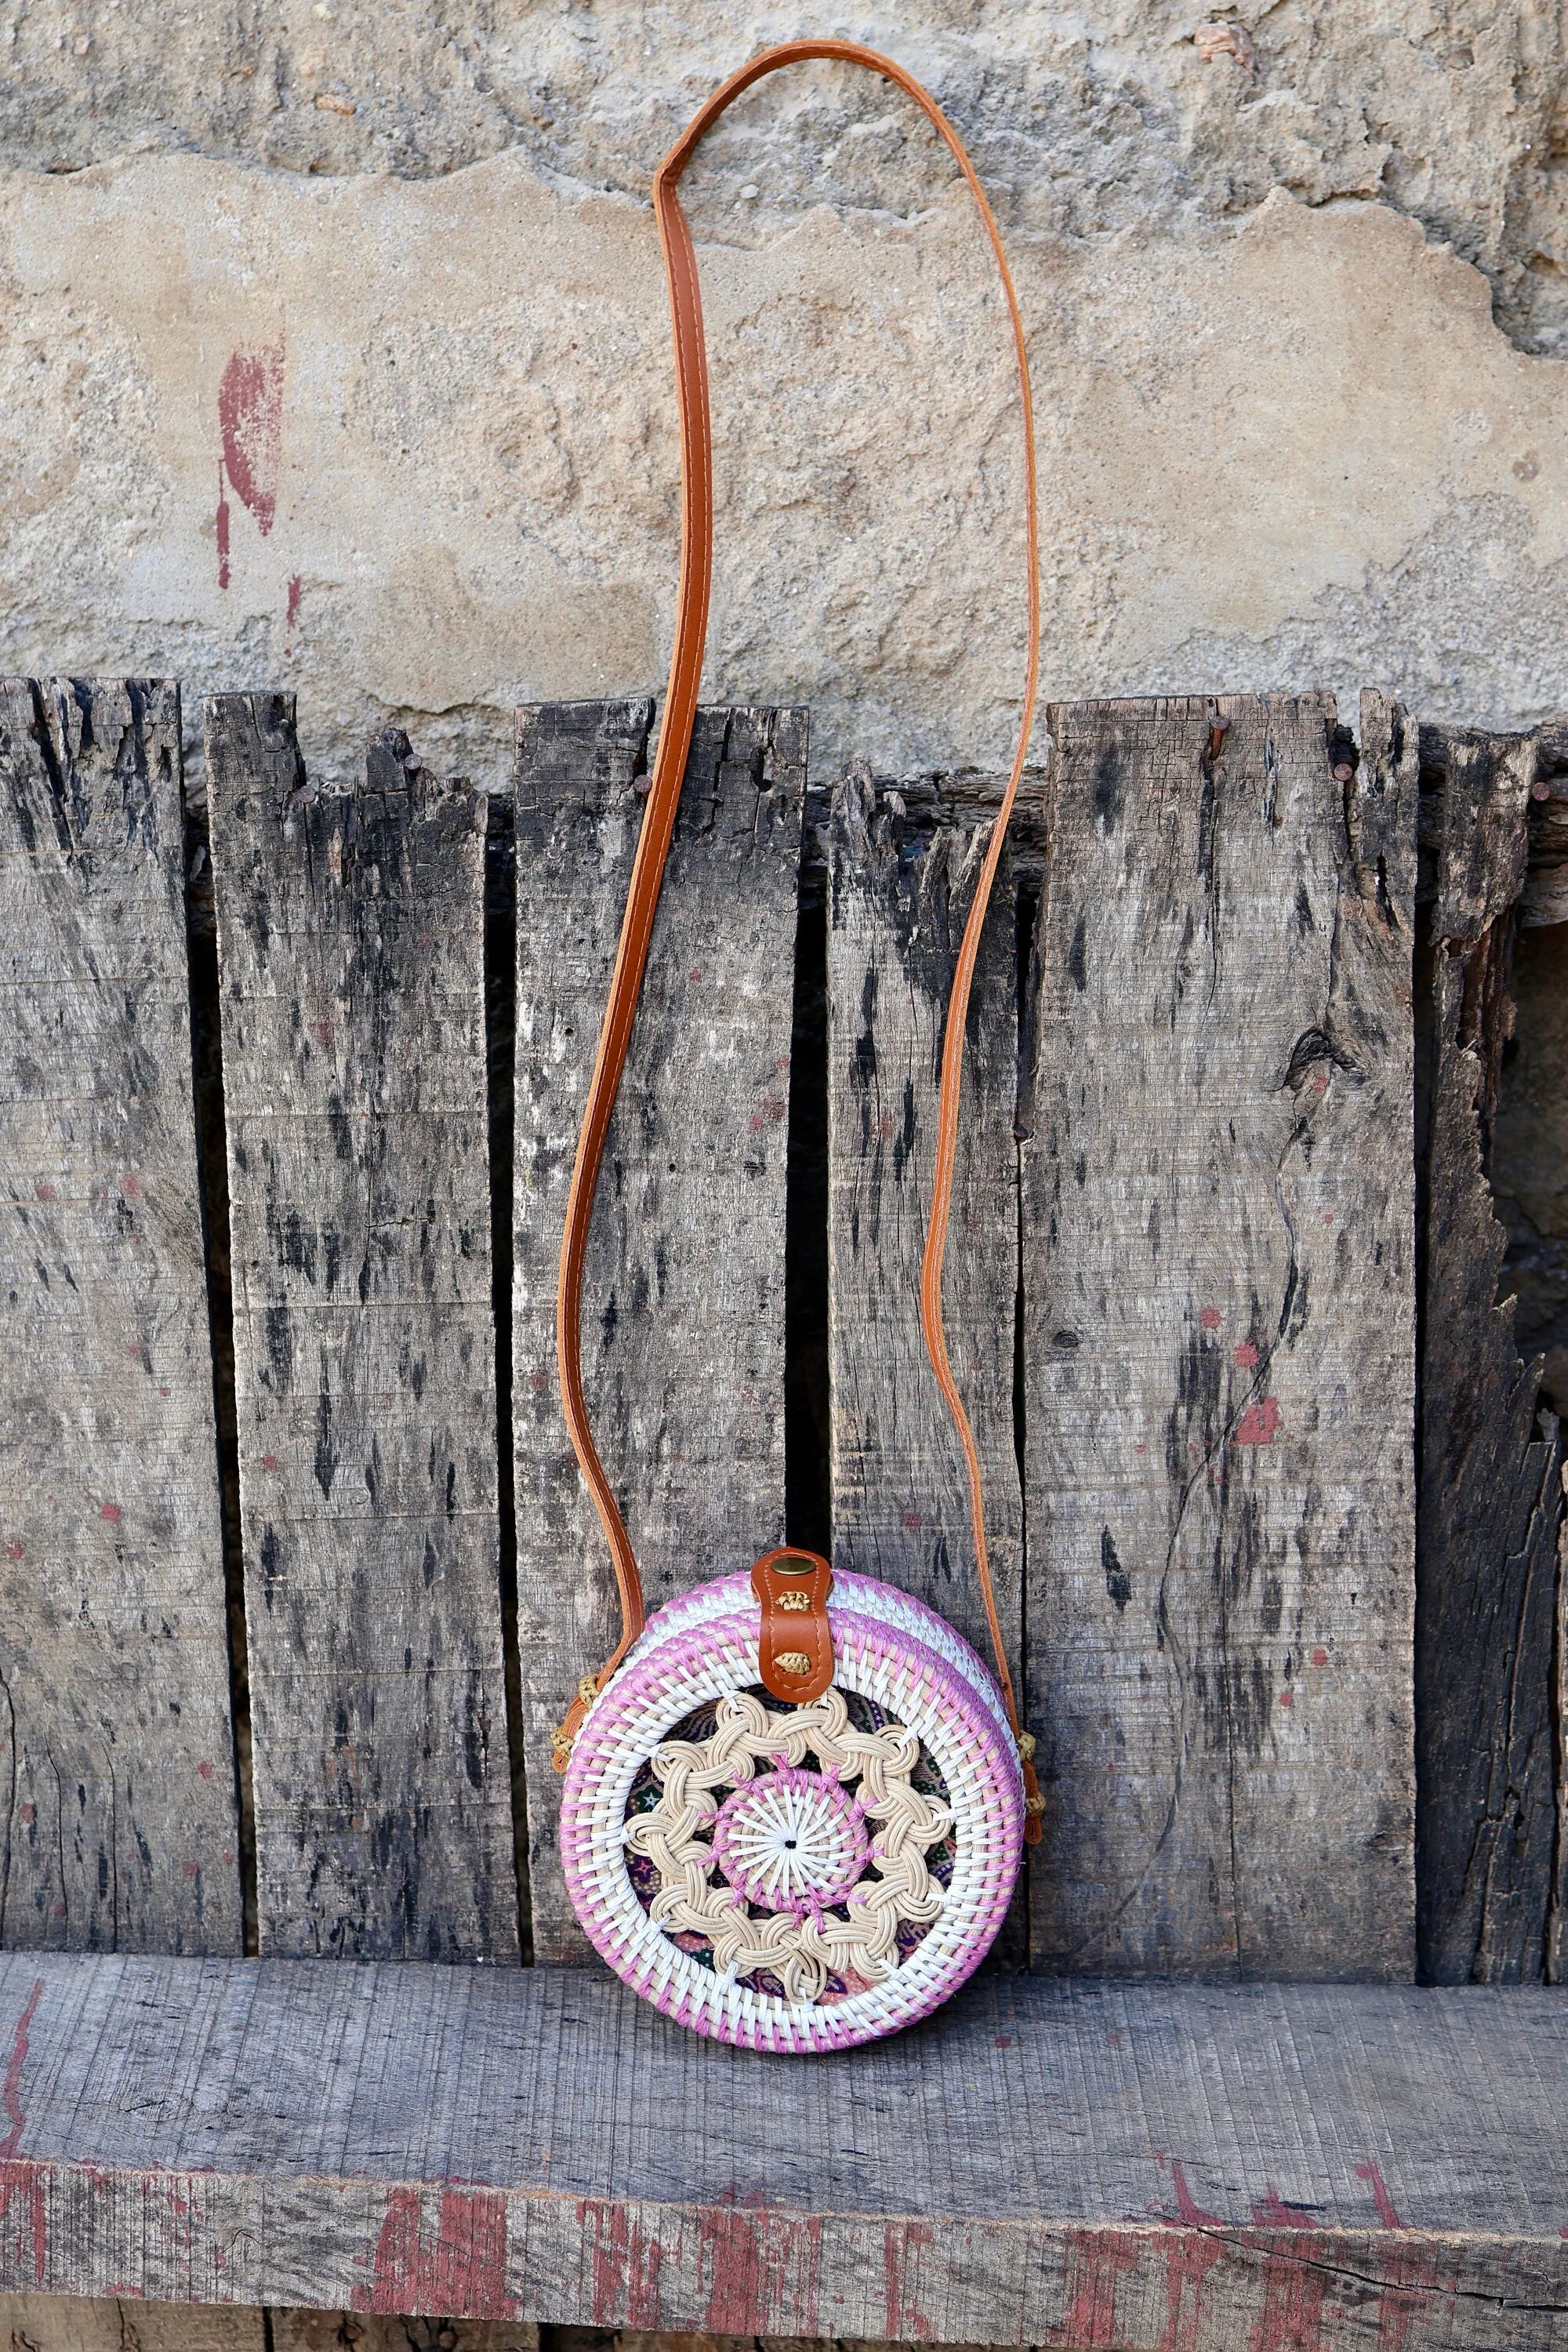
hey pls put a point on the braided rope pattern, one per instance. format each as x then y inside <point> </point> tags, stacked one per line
<point>802,1951</point>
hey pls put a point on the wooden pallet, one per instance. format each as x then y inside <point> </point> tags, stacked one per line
<point>297,1572</point>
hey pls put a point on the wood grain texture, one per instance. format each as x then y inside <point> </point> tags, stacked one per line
<point>1074,2163</point>
<point>116,1775</point>
<point>903,865</point>
<point>70,2322</point>
<point>351,948</point>
<point>1490,1499</point>
<point>1218,1346</point>
<point>684,1292</point>
<point>64,2323</point>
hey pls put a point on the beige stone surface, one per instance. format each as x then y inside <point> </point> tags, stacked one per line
<point>1290,446</point>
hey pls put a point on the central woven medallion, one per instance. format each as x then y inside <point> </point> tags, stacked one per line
<point>794,1841</point>
<point>749,1848</point>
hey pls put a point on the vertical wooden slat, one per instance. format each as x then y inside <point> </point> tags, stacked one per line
<point>683,1302</point>
<point>1490,1499</point>
<point>902,865</point>
<point>1218,1281</point>
<point>351,948</point>
<point>117,1773</point>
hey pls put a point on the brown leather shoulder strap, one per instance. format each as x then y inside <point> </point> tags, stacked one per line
<point>653,845</point>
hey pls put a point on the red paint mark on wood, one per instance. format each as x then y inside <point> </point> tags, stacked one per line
<point>1095,2257</point>
<point>23,2179</point>
<point>110,1511</point>
<point>130,1188</point>
<point>1291,2319</point>
<point>190,1869</point>
<point>1247,1354</point>
<point>624,2265</point>
<point>1410,2283</point>
<point>15,1548</point>
<point>29,1812</point>
<point>462,2275</point>
<point>205,1770</point>
<point>42,1192</point>
<point>10,2094</point>
<point>269,1462</point>
<point>1286,1698</point>
<point>913,1521</point>
<point>1004,2041</point>
<point>250,424</point>
<point>1190,2255</point>
<point>1271,2212</point>
<point>292,615</point>
<point>904,2242</point>
<point>1320,1657</point>
<point>1260,1424</point>
<point>695,973</point>
<point>760,2271</point>
<point>1380,2198</point>
<point>1188,2211</point>
<point>1211,1318</point>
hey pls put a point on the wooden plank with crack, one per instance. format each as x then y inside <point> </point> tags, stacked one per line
<point>118,1811</point>
<point>1490,1504</point>
<point>350,953</point>
<point>684,1291</point>
<point>1278,2166</point>
<point>1218,1344</point>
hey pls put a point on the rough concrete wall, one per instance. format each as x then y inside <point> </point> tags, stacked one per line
<point>374,291</point>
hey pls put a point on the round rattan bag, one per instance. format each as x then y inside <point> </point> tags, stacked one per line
<point>794,1877</point>
<point>794,1805</point>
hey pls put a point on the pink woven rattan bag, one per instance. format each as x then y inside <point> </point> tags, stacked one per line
<point>794,1805</point>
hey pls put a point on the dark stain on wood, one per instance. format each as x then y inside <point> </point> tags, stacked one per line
<point>1491,1496</point>
<point>117,1763</point>
<point>684,1296</point>
<point>351,948</point>
<point>1216,1207</point>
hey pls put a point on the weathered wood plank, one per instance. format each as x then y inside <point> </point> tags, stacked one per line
<point>1217,1268</point>
<point>902,863</point>
<point>684,1294</point>
<point>65,2323</point>
<point>1285,2166</point>
<point>68,2322</point>
<point>118,1822</point>
<point>350,945</point>
<point>1490,1499</point>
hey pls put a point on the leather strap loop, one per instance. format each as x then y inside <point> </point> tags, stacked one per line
<point>653,845</point>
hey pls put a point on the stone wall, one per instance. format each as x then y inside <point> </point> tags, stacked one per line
<point>372,294</point>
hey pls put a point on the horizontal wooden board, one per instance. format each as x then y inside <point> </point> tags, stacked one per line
<point>1300,2169</point>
